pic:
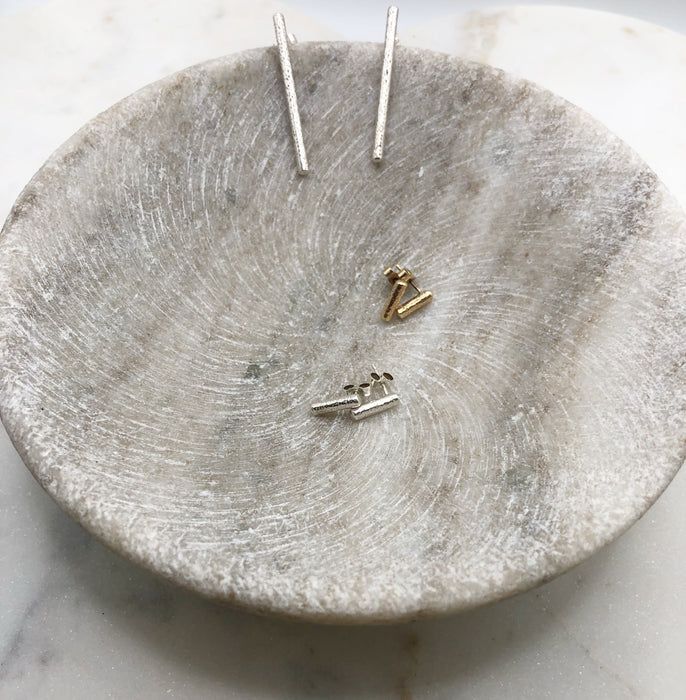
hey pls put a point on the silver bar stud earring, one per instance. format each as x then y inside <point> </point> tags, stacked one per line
<point>384,93</point>
<point>350,401</point>
<point>282,41</point>
<point>387,401</point>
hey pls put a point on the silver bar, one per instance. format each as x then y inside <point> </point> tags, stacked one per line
<point>350,401</point>
<point>382,113</point>
<point>373,407</point>
<point>282,41</point>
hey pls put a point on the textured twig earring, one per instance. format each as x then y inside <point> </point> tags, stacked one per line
<point>400,278</point>
<point>283,39</point>
<point>385,90</point>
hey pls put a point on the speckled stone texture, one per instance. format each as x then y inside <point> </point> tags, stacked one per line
<point>173,296</point>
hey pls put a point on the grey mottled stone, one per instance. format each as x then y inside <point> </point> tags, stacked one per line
<point>173,296</point>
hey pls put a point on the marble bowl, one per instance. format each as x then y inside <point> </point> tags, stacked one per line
<point>174,296</point>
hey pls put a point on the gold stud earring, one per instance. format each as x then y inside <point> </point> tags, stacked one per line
<point>400,278</point>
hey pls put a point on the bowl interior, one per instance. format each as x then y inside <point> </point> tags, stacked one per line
<point>175,297</point>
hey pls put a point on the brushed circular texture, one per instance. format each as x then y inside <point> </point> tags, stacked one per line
<point>173,296</point>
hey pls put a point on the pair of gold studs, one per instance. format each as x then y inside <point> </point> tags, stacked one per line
<point>284,40</point>
<point>401,278</point>
<point>359,399</point>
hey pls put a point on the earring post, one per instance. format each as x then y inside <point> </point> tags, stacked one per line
<point>385,91</point>
<point>282,42</point>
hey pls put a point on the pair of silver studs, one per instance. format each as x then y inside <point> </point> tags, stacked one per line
<point>284,40</point>
<point>359,399</point>
<point>401,278</point>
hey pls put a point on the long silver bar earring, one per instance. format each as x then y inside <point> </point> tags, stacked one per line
<point>282,41</point>
<point>384,93</point>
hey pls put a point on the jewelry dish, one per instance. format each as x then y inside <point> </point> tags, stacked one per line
<point>174,296</point>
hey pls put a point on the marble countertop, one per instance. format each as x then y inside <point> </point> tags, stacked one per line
<point>78,621</point>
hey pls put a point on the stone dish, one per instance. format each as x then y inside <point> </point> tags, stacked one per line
<point>174,296</point>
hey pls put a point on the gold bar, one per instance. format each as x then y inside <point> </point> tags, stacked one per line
<point>394,299</point>
<point>414,304</point>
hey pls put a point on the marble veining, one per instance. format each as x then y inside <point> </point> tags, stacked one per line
<point>174,296</point>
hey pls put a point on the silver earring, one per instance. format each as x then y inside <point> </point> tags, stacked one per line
<point>387,401</point>
<point>283,40</point>
<point>384,92</point>
<point>349,401</point>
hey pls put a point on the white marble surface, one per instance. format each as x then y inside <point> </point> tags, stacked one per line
<point>77,621</point>
<point>615,68</point>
